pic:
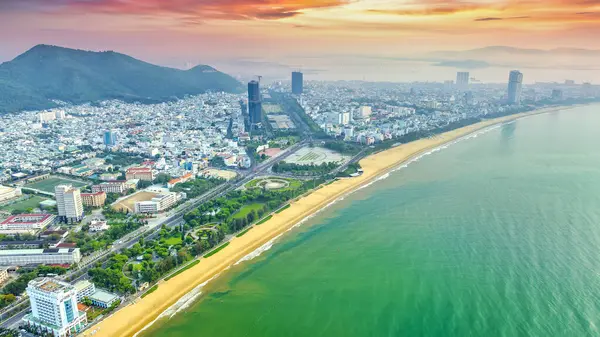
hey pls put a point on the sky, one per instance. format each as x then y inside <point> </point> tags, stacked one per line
<point>184,32</point>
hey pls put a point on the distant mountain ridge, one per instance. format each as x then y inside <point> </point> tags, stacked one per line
<point>45,73</point>
<point>491,51</point>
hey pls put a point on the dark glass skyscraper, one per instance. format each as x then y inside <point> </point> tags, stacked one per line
<point>297,83</point>
<point>254,103</point>
<point>110,138</point>
<point>515,83</point>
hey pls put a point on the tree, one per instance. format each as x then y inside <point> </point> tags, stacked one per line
<point>87,301</point>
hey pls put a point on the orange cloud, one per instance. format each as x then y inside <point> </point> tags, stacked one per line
<point>201,9</point>
<point>198,9</point>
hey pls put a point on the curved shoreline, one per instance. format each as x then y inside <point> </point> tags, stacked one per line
<point>142,313</point>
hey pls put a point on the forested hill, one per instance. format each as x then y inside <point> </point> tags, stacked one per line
<point>44,73</point>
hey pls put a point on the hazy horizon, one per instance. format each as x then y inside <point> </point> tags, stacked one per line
<point>182,33</point>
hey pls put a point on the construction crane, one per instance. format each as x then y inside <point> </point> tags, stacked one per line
<point>259,78</point>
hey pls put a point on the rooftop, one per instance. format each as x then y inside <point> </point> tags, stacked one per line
<point>11,252</point>
<point>104,296</point>
<point>26,219</point>
<point>50,285</point>
<point>82,285</point>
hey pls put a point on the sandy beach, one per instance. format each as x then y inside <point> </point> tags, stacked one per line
<point>134,317</point>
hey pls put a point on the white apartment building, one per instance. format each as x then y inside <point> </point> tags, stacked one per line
<point>54,307</point>
<point>365,111</point>
<point>59,114</point>
<point>68,202</point>
<point>159,203</point>
<point>47,116</point>
<point>344,118</point>
<point>7,193</point>
<point>23,257</point>
<point>84,289</point>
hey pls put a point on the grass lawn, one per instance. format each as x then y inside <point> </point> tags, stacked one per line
<point>150,291</point>
<point>93,313</point>
<point>190,265</point>
<point>217,250</point>
<point>244,232</point>
<point>264,220</point>
<point>172,241</point>
<point>294,183</point>
<point>22,206</point>
<point>244,211</point>
<point>47,185</point>
<point>283,208</point>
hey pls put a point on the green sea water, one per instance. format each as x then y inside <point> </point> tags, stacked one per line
<point>497,235</point>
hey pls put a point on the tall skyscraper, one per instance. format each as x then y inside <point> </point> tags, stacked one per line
<point>68,202</point>
<point>254,102</point>
<point>515,83</point>
<point>110,138</point>
<point>462,80</point>
<point>54,307</point>
<point>297,83</point>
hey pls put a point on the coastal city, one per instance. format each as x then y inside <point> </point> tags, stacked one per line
<point>103,203</point>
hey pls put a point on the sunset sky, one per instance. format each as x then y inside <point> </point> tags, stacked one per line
<point>173,31</point>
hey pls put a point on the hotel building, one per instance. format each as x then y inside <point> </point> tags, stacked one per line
<point>54,308</point>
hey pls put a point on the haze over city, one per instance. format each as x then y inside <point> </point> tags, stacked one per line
<point>332,39</point>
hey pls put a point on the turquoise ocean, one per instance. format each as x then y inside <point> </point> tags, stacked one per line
<point>496,235</point>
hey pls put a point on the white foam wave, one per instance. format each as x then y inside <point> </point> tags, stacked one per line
<point>256,253</point>
<point>181,304</point>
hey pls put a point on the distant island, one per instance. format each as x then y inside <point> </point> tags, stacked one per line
<point>45,73</point>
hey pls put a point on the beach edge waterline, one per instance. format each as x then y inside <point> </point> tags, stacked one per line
<point>139,315</point>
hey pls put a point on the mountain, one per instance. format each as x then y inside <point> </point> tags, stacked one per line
<point>46,73</point>
<point>517,58</point>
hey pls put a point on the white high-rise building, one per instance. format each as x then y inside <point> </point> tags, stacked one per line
<point>54,307</point>
<point>68,202</point>
<point>59,114</point>
<point>365,111</point>
<point>344,118</point>
<point>47,116</point>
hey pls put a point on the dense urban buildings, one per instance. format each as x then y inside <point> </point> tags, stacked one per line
<point>515,83</point>
<point>68,202</point>
<point>297,83</point>
<point>254,103</point>
<point>54,308</point>
<point>462,80</point>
